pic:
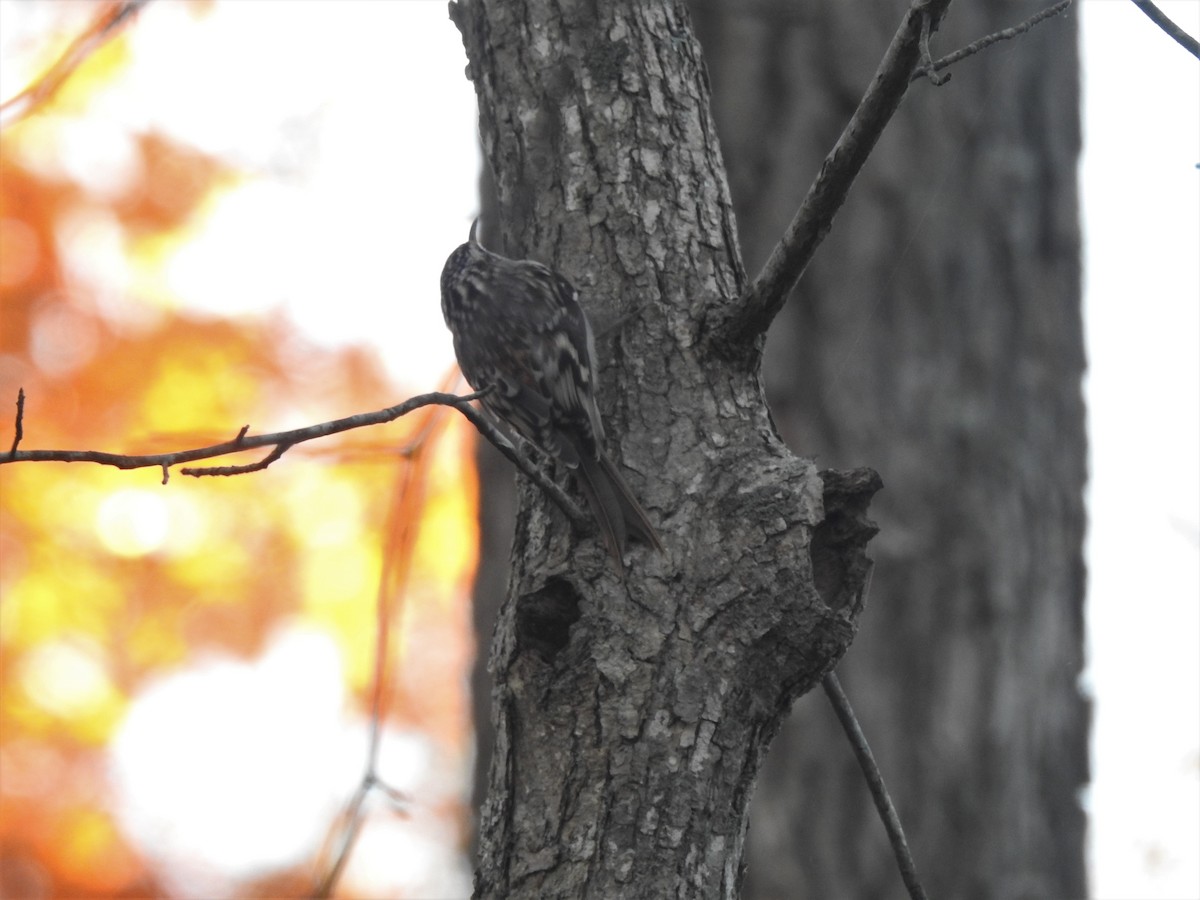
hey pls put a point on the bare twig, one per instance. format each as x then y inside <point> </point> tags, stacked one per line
<point>791,256</point>
<point>352,817</point>
<point>879,793</point>
<point>351,820</point>
<point>1159,18</point>
<point>107,25</point>
<point>282,441</point>
<point>242,441</point>
<point>280,449</point>
<point>397,798</point>
<point>19,427</point>
<point>485,427</point>
<point>907,58</point>
<point>930,68</point>
<point>403,513</point>
<point>927,65</point>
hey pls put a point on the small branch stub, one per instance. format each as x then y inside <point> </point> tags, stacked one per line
<point>19,427</point>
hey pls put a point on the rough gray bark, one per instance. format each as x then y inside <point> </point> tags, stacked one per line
<point>632,715</point>
<point>937,337</point>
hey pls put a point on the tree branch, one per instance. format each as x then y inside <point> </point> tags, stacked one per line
<point>281,448</point>
<point>1159,18</point>
<point>879,792</point>
<point>907,58</point>
<point>485,427</point>
<point>243,441</point>
<point>282,441</point>
<point>927,56</point>
<point>110,20</point>
<point>930,67</point>
<point>791,256</point>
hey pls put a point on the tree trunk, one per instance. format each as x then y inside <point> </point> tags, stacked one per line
<point>632,712</point>
<point>937,337</point>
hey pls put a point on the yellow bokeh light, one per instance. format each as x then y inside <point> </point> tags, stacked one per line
<point>327,509</point>
<point>447,549</point>
<point>340,574</point>
<point>57,596</point>
<point>172,402</point>
<point>222,563</point>
<point>92,853</point>
<point>156,639</point>
<point>69,680</point>
<point>133,522</point>
<point>339,584</point>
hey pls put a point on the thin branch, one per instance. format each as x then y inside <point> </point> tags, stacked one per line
<point>106,26</point>
<point>497,439</point>
<point>974,47</point>
<point>197,472</point>
<point>399,800</point>
<point>879,793</point>
<point>242,441</point>
<point>352,816</point>
<point>907,58</point>
<point>1159,18</point>
<point>402,515</point>
<point>791,256</point>
<point>282,441</point>
<point>927,64</point>
<point>405,510</point>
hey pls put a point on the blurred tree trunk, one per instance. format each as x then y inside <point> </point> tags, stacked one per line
<point>937,338</point>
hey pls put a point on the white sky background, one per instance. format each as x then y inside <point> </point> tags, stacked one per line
<point>1141,192</point>
<point>362,199</point>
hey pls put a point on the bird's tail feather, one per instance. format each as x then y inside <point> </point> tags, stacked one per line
<point>617,511</point>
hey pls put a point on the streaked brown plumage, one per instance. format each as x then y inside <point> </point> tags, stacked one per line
<point>519,329</point>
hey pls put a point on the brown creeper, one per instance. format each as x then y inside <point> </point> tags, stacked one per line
<point>520,331</point>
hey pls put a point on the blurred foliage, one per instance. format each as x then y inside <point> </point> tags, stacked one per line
<point>110,578</point>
